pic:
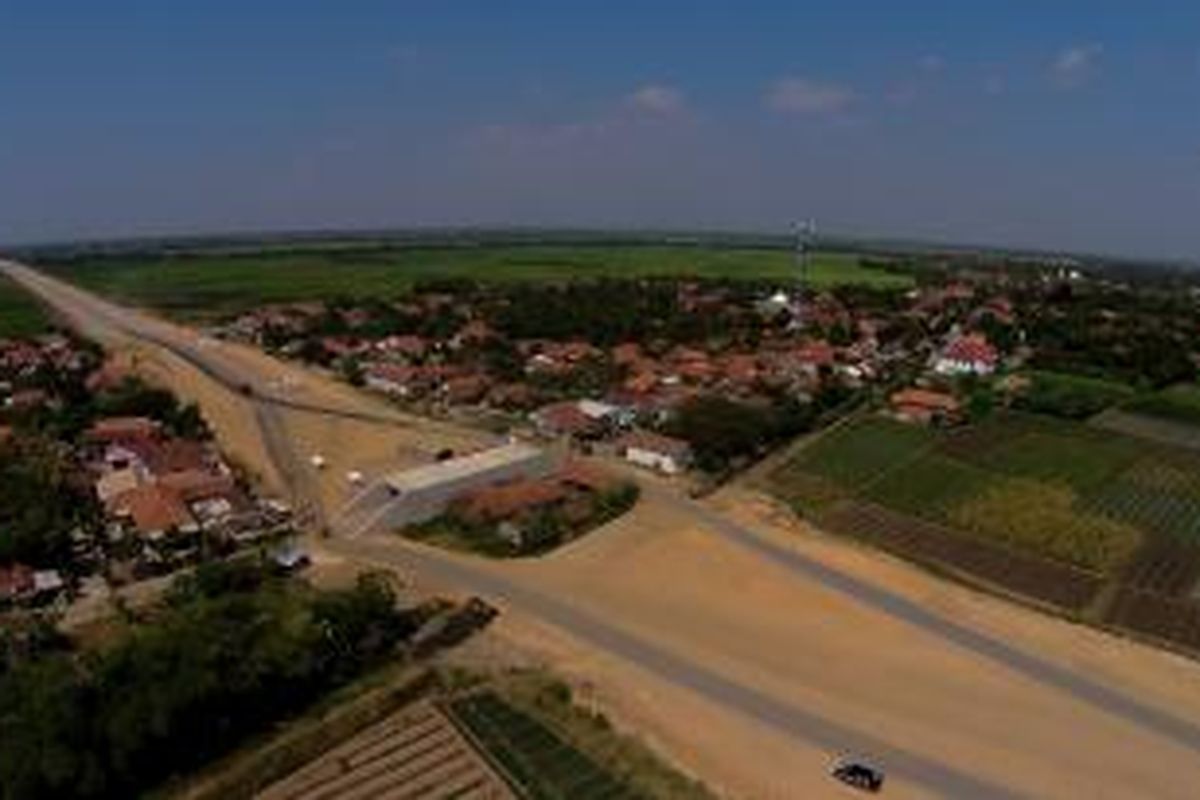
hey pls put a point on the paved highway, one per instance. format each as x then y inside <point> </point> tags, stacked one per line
<point>89,312</point>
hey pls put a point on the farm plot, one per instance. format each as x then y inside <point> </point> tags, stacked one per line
<point>1048,508</point>
<point>928,486</point>
<point>1021,446</point>
<point>1155,495</point>
<point>541,763</point>
<point>1170,619</point>
<point>938,546</point>
<point>1164,565</point>
<point>415,753</point>
<point>862,451</point>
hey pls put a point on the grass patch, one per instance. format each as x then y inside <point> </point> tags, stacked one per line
<point>859,452</point>
<point>1075,457</point>
<point>1072,396</point>
<point>228,282</point>
<point>20,314</point>
<point>929,485</point>
<point>1178,403</point>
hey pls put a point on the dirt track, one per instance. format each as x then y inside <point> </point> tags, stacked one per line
<point>753,672</point>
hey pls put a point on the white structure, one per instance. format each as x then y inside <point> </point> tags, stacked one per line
<point>389,379</point>
<point>657,452</point>
<point>967,355</point>
<point>416,495</point>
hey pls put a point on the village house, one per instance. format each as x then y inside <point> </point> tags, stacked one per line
<point>655,451</point>
<point>125,431</point>
<point>153,511</point>
<point>567,418</point>
<point>409,346</point>
<point>466,389</point>
<point>21,584</point>
<point>924,406</point>
<point>390,379</point>
<point>968,354</point>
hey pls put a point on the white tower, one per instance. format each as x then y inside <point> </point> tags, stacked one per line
<point>806,233</point>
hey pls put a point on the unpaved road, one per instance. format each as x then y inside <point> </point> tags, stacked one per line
<point>753,652</point>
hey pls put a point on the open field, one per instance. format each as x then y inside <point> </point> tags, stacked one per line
<point>20,315</point>
<point>1048,508</point>
<point>229,282</point>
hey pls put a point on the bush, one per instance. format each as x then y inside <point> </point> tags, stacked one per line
<point>1071,396</point>
<point>210,670</point>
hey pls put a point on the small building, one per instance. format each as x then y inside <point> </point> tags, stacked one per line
<point>655,451</point>
<point>925,406</point>
<point>971,354</point>
<point>125,430</point>
<point>154,511</point>
<point>566,418</point>
<point>16,583</point>
<point>390,379</point>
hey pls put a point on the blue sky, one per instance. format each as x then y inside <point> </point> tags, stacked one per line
<point>1062,124</point>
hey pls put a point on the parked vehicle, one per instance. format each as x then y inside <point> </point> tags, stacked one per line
<point>857,773</point>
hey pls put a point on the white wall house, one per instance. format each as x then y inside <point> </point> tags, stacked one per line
<point>657,452</point>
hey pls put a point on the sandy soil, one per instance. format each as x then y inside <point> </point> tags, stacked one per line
<point>809,646</point>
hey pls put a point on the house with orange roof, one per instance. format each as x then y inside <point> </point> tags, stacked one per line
<point>925,406</point>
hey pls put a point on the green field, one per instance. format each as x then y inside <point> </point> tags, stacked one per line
<point>545,766</point>
<point>20,315</point>
<point>1052,488</point>
<point>226,282</point>
<point>1179,403</point>
<point>1072,396</point>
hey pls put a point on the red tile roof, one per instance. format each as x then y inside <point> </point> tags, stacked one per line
<point>120,429</point>
<point>565,417</point>
<point>972,348</point>
<point>925,399</point>
<point>510,499</point>
<point>153,507</point>
<point>194,484</point>
<point>819,353</point>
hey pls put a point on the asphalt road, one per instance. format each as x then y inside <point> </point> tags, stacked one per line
<point>88,311</point>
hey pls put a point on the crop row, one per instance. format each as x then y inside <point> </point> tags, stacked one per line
<point>544,765</point>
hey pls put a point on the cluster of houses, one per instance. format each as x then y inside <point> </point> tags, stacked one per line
<point>161,498</point>
<point>23,362</point>
<point>634,387</point>
<point>167,496</point>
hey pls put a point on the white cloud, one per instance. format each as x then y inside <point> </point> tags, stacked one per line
<point>806,96</point>
<point>657,98</point>
<point>1074,65</point>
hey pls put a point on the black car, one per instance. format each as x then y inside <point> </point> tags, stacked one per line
<point>857,773</point>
